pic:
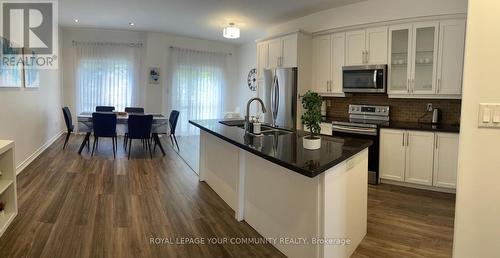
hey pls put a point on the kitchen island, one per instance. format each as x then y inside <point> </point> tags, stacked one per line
<point>307,203</point>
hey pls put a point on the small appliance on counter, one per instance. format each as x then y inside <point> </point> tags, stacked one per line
<point>323,109</point>
<point>436,116</point>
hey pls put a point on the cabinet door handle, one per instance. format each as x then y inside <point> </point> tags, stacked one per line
<point>367,56</point>
<point>408,85</point>
<point>403,140</point>
<point>412,85</point>
<point>439,85</point>
<point>407,139</point>
<point>437,140</point>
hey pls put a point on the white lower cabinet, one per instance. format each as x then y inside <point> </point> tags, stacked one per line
<point>417,157</point>
<point>392,155</point>
<point>326,128</point>
<point>446,160</point>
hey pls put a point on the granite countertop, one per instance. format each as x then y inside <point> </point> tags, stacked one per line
<point>446,128</point>
<point>286,149</point>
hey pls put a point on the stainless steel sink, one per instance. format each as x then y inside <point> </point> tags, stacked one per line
<point>268,130</point>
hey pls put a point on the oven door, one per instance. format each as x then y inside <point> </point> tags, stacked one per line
<point>371,78</point>
<point>373,151</point>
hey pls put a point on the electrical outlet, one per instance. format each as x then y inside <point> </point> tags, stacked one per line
<point>429,107</point>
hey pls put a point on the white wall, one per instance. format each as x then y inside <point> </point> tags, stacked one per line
<point>31,117</point>
<point>247,60</point>
<point>369,12</point>
<point>477,217</point>
<point>155,54</point>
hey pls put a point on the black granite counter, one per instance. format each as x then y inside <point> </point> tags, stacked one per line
<point>445,128</point>
<point>286,149</point>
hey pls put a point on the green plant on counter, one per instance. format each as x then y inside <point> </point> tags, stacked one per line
<point>311,119</point>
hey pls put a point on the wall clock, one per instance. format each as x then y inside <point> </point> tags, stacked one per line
<point>252,79</point>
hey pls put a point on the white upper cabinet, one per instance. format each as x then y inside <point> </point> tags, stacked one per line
<point>328,60</point>
<point>274,53</point>
<point>279,52</point>
<point>337,62</point>
<point>355,47</point>
<point>446,160</point>
<point>376,45</point>
<point>426,59</point>
<point>322,47</point>
<point>400,45</point>
<point>289,51</point>
<point>262,62</point>
<point>366,46</point>
<point>451,57</point>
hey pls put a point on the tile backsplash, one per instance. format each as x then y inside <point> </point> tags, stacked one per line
<point>403,110</point>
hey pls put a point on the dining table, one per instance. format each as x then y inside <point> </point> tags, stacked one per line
<point>160,126</point>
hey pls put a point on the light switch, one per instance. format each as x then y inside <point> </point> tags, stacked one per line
<point>489,115</point>
<point>486,114</point>
<point>496,116</point>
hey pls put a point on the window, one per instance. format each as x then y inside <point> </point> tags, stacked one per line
<point>198,86</point>
<point>106,75</point>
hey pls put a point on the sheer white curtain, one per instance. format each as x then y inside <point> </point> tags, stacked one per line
<point>198,84</point>
<point>107,74</point>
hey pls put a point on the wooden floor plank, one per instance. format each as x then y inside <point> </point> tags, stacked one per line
<point>82,206</point>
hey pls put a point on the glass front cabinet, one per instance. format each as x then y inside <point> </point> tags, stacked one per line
<point>413,58</point>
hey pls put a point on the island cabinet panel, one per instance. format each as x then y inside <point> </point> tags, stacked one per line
<point>280,204</point>
<point>220,169</point>
<point>344,188</point>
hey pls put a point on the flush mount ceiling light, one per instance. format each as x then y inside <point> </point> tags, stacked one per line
<point>231,31</point>
<point>131,23</point>
<point>76,20</point>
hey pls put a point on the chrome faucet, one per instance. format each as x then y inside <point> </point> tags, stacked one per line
<point>247,116</point>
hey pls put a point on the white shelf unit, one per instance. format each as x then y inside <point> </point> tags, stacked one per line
<point>8,191</point>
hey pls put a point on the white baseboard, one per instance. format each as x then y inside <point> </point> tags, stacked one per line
<point>37,153</point>
<point>422,187</point>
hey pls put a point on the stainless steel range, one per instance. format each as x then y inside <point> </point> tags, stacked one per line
<point>364,121</point>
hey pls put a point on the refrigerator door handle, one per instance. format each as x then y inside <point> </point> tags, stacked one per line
<point>276,100</point>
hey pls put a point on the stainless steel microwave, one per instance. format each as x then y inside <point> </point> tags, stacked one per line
<point>366,78</point>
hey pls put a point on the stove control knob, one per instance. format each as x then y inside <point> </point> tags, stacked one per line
<point>377,110</point>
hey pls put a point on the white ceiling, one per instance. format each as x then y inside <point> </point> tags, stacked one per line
<point>196,18</point>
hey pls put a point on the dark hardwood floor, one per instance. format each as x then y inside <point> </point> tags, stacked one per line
<point>78,206</point>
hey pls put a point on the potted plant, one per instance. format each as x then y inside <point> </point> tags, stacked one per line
<point>311,119</point>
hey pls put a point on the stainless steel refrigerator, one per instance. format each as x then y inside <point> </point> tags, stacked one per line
<point>280,97</point>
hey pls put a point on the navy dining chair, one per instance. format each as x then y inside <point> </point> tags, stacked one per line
<point>69,124</point>
<point>104,109</point>
<point>131,110</point>
<point>104,125</point>
<point>139,127</point>
<point>172,120</point>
